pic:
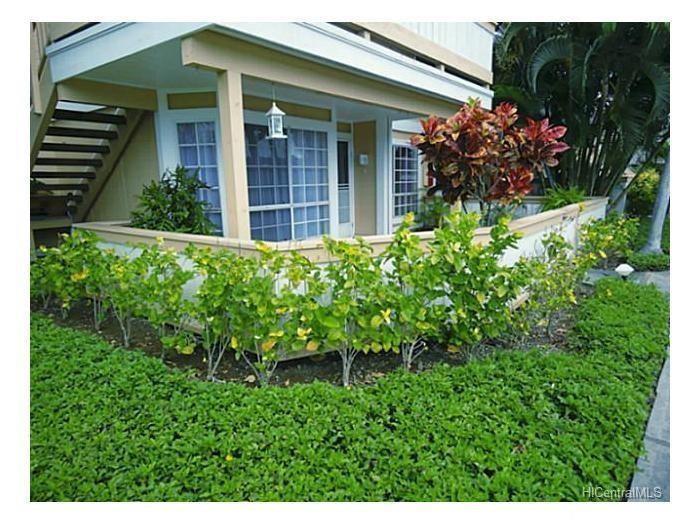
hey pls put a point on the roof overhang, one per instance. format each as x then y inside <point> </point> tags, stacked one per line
<point>325,43</point>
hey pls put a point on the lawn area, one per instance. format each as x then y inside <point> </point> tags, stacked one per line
<point>110,424</point>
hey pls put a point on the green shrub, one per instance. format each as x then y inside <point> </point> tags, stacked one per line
<point>218,304</point>
<point>478,290</point>
<point>650,262</point>
<point>555,275</point>
<point>520,426</point>
<point>165,306</point>
<point>611,239</point>
<point>127,294</point>
<point>413,295</point>
<point>559,197</point>
<point>357,318</point>
<point>171,204</point>
<point>431,212</point>
<point>642,193</point>
<point>75,269</point>
<point>274,317</point>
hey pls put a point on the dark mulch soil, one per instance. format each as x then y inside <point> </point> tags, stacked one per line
<point>323,367</point>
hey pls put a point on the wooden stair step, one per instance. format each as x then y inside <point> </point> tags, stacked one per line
<point>63,174</point>
<point>75,148</point>
<point>60,131</point>
<point>68,162</point>
<point>89,116</point>
<point>40,197</point>
<point>64,187</point>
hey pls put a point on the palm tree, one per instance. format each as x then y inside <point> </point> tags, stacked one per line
<point>609,83</point>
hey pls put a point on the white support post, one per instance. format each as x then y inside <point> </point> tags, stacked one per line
<point>384,160</point>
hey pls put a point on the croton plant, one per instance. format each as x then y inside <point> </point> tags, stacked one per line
<point>485,155</point>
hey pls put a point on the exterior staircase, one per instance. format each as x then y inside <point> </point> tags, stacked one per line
<point>73,158</point>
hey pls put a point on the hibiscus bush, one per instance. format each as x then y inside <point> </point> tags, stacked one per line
<point>485,155</point>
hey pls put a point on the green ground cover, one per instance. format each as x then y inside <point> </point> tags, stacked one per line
<point>110,424</point>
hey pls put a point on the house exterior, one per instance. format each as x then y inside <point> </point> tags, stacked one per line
<point>114,105</point>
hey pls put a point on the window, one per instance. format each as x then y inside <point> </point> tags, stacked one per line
<point>406,180</point>
<point>197,147</point>
<point>284,207</point>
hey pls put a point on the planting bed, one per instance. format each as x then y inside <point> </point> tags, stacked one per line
<point>109,424</point>
<point>325,367</point>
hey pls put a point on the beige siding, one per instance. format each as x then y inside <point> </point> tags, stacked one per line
<point>137,167</point>
<point>364,141</point>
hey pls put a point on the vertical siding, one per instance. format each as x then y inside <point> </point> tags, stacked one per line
<point>468,39</point>
<point>137,167</point>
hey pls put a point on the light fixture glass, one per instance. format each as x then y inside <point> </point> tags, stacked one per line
<point>624,270</point>
<point>275,120</point>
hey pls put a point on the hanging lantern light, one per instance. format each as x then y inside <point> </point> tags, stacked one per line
<point>275,120</point>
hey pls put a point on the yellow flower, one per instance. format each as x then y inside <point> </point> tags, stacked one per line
<point>79,276</point>
<point>229,457</point>
<point>312,346</point>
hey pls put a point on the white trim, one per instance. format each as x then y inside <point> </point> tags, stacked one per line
<point>168,147</point>
<point>348,137</point>
<point>318,41</point>
<point>384,150</point>
<point>398,219</point>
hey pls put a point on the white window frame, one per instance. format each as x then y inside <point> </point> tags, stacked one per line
<point>347,137</point>
<point>169,147</point>
<point>397,219</point>
<point>330,128</point>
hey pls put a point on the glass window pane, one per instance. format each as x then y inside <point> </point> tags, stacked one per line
<point>309,139</point>
<point>254,196</point>
<point>297,176</point>
<point>267,196</point>
<point>311,194</point>
<point>282,195</point>
<point>205,133</point>
<point>207,155</point>
<point>186,134</point>
<point>188,156</point>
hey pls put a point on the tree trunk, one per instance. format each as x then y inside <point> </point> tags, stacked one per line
<point>658,217</point>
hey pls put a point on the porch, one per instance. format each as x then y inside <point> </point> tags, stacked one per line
<point>344,168</point>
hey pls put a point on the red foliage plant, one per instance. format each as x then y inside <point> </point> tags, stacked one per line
<point>484,155</point>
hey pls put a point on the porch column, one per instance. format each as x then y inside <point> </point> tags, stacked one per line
<point>235,179</point>
<point>384,173</point>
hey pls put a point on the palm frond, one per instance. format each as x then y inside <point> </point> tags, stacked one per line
<point>661,80</point>
<point>554,49</point>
